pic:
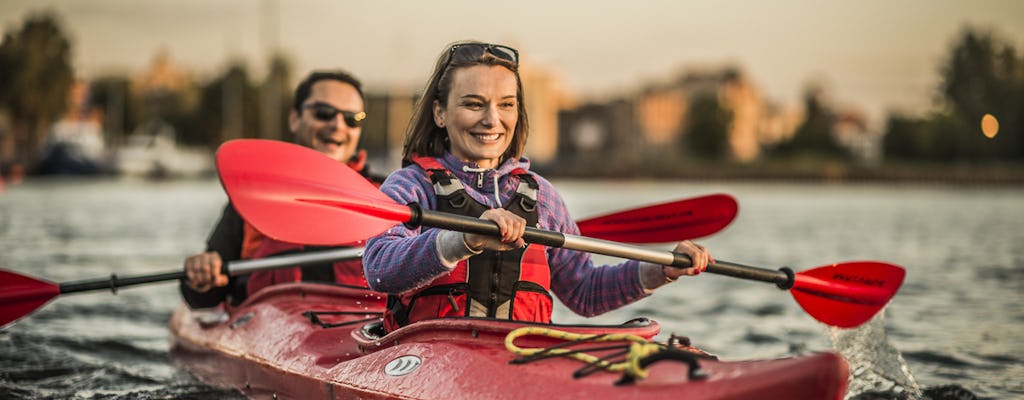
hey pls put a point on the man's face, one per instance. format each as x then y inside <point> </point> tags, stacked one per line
<point>315,127</point>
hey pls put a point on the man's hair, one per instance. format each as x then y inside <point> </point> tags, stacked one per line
<point>306,86</point>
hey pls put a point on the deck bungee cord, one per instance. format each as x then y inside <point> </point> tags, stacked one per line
<point>637,353</point>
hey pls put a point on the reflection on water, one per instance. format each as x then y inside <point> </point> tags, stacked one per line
<point>957,319</point>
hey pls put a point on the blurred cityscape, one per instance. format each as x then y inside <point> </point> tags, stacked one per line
<point>703,123</point>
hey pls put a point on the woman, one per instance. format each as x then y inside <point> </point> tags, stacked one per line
<point>463,152</point>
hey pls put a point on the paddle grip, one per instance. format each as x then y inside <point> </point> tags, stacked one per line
<point>783,277</point>
<point>462,223</point>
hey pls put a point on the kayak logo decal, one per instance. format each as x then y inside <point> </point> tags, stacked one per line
<point>242,320</point>
<point>402,365</point>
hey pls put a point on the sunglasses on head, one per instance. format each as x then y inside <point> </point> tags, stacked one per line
<point>468,52</point>
<point>326,113</point>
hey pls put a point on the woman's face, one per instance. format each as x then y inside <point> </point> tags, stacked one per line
<point>481,113</point>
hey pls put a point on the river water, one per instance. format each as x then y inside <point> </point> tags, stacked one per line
<point>955,329</point>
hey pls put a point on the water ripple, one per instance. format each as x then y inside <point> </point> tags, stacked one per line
<point>957,315</point>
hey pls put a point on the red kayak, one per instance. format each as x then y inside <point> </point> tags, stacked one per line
<point>316,341</point>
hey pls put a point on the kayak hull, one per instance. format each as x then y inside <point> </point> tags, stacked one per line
<point>314,341</point>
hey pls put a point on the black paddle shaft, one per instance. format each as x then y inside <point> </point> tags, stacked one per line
<point>114,282</point>
<point>231,268</point>
<point>783,278</point>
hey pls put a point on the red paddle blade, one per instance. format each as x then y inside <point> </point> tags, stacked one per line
<point>20,295</point>
<point>296,194</point>
<point>667,222</point>
<point>847,294</point>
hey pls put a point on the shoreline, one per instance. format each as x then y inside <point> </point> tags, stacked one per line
<point>974,175</point>
<point>1008,175</point>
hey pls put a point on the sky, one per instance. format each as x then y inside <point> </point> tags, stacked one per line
<point>872,55</point>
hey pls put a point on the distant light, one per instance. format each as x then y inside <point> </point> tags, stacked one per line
<point>989,126</point>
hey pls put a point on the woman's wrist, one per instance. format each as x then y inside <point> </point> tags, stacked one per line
<point>475,248</point>
<point>652,276</point>
<point>668,278</point>
<point>452,248</point>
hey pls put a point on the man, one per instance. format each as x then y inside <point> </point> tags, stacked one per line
<point>327,116</point>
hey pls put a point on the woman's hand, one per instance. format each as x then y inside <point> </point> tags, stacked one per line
<point>203,271</point>
<point>512,229</point>
<point>698,254</point>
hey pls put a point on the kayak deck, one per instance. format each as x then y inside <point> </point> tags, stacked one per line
<point>307,341</point>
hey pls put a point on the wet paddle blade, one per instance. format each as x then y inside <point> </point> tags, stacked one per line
<point>20,295</point>
<point>296,194</point>
<point>667,222</point>
<point>847,294</point>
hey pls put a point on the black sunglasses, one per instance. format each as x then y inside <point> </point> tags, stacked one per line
<point>326,113</point>
<point>468,52</point>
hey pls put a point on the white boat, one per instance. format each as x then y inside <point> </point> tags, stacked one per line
<point>153,152</point>
<point>73,147</point>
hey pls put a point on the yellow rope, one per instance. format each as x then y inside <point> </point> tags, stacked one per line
<point>638,348</point>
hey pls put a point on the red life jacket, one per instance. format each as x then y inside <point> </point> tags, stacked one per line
<point>256,245</point>
<point>512,284</point>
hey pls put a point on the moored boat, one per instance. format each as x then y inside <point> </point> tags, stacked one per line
<point>308,341</point>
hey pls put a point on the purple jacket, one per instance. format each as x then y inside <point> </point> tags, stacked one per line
<point>403,259</point>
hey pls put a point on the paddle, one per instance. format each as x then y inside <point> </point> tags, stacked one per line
<point>671,221</point>
<point>21,294</point>
<point>295,194</point>
<point>666,222</point>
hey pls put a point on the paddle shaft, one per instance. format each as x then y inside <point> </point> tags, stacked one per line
<point>232,268</point>
<point>610,222</point>
<point>783,278</point>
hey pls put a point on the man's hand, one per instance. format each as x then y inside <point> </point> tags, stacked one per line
<point>203,271</point>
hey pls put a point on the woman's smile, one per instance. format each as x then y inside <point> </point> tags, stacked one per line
<point>487,137</point>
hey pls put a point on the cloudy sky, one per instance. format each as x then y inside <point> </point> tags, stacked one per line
<point>872,54</point>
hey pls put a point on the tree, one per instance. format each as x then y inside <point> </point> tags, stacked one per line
<point>227,108</point>
<point>984,75</point>
<point>816,135</point>
<point>907,138</point>
<point>112,94</point>
<point>937,137</point>
<point>707,130</point>
<point>276,93</point>
<point>35,77</point>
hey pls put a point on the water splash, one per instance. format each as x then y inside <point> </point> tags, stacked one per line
<point>878,370</point>
<point>876,366</point>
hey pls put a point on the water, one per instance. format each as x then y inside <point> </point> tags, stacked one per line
<point>957,321</point>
